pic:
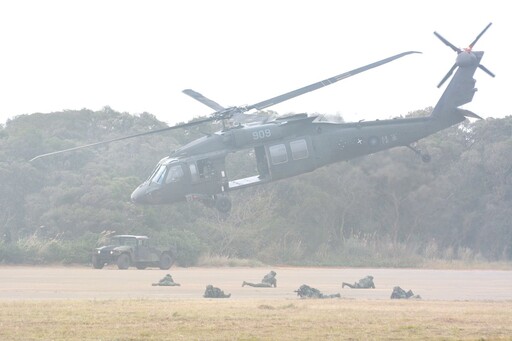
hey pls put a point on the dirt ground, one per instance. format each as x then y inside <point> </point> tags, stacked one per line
<point>53,283</point>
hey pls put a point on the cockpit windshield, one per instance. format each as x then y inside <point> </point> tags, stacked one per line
<point>167,173</point>
<point>159,174</point>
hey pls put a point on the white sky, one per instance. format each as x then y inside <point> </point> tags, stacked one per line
<point>137,56</point>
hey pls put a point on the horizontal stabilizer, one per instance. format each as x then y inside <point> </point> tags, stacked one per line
<point>468,113</point>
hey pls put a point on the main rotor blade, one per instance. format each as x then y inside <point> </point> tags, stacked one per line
<point>318,85</point>
<point>222,112</point>
<point>478,37</point>
<point>446,42</point>
<point>206,101</point>
<point>178,126</point>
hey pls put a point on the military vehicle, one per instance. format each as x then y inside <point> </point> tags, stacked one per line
<point>130,250</point>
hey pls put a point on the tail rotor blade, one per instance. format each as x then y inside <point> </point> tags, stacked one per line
<point>447,75</point>
<point>478,37</point>
<point>486,70</point>
<point>447,43</point>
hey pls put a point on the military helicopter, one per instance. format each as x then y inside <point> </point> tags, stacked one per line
<point>296,144</point>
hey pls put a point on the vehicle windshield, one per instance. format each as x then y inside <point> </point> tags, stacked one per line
<point>120,241</point>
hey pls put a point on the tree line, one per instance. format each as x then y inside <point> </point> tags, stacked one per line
<point>385,209</point>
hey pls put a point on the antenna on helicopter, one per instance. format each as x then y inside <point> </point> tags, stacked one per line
<point>464,56</point>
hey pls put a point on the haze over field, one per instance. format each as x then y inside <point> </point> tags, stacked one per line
<point>138,56</point>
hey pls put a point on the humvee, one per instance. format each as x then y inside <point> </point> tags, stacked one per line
<point>129,250</point>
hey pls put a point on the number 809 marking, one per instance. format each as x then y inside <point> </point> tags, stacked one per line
<point>261,134</point>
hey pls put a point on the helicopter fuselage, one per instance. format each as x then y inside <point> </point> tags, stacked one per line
<point>282,148</point>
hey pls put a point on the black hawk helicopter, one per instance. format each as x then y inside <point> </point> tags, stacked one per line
<point>296,144</point>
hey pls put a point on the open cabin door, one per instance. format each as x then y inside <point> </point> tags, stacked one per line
<point>207,175</point>
<point>279,160</point>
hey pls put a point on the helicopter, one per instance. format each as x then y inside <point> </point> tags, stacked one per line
<point>296,144</point>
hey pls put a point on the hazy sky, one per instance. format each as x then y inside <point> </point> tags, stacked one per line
<point>137,56</point>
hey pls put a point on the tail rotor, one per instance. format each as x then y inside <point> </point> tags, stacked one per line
<point>461,59</point>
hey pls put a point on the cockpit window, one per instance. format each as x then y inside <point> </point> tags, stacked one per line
<point>171,173</point>
<point>175,174</point>
<point>158,176</point>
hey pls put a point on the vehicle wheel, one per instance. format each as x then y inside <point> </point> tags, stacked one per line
<point>97,263</point>
<point>223,204</point>
<point>166,261</point>
<point>140,266</point>
<point>123,262</point>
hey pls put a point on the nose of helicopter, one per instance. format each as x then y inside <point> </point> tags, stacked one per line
<point>139,195</point>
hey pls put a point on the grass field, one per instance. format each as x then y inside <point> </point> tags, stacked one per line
<point>229,319</point>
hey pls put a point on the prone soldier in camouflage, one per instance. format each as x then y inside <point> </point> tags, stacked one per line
<point>268,281</point>
<point>399,293</point>
<point>364,283</point>
<point>167,281</point>
<point>213,292</point>
<point>305,291</point>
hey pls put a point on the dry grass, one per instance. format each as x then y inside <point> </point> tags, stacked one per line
<point>210,319</point>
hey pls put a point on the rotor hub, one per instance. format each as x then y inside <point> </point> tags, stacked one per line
<point>466,58</point>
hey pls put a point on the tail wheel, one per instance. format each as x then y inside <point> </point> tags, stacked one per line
<point>166,261</point>
<point>123,262</point>
<point>223,204</point>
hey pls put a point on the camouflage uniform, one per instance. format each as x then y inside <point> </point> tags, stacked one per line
<point>212,292</point>
<point>305,291</point>
<point>166,281</point>
<point>364,283</point>
<point>399,293</point>
<point>268,281</point>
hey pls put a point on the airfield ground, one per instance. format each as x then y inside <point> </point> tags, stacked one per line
<point>79,303</point>
<point>46,283</point>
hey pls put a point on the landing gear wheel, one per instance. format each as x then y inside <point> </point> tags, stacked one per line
<point>123,262</point>
<point>425,158</point>
<point>223,204</point>
<point>166,262</point>
<point>96,263</point>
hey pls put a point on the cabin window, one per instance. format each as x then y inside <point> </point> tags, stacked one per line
<point>193,172</point>
<point>175,174</point>
<point>299,149</point>
<point>205,168</point>
<point>278,154</point>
